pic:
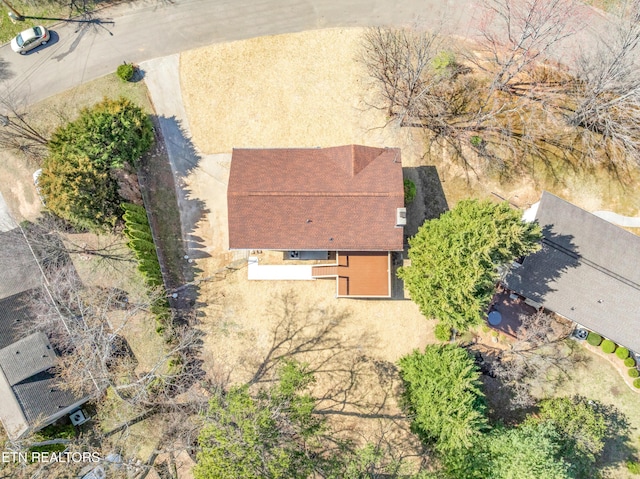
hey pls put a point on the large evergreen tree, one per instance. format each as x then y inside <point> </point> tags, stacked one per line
<point>443,396</point>
<point>455,259</point>
<point>111,133</point>
<point>77,180</point>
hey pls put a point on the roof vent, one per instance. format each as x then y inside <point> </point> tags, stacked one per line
<point>401,217</point>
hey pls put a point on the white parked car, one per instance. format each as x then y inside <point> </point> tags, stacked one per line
<point>30,39</point>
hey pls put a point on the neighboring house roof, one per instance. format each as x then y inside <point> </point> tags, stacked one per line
<point>587,271</point>
<point>19,269</point>
<point>340,198</point>
<point>30,393</point>
<point>14,314</point>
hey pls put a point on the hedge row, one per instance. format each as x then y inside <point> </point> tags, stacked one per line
<point>622,353</point>
<point>608,346</point>
<point>634,373</point>
<point>594,339</point>
<point>140,241</point>
<point>629,362</point>
<point>636,383</point>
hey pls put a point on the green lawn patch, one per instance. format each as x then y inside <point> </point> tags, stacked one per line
<point>42,8</point>
<point>596,378</point>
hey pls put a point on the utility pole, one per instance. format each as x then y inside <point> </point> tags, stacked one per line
<point>14,15</point>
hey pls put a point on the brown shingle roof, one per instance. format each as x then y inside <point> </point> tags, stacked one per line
<point>339,198</point>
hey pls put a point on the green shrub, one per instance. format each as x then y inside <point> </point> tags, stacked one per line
<point>636,383</point>
<point>633,467</point>
<point>622,353</point>
<point>409,191</point>
<point>633,373</point>
<point>137,229</point>
<point>608,346</point>
<point>110,133</point>
<point>125,71</point>
<point>443,60</point>
<point>629,362</point>
<point>594,339</point>
<point>55,431</point>
<point>443,332</point>
<point>476,141</point>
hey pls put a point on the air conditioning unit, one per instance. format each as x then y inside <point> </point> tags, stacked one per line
<point>78,417</point>
<point>401,217</point>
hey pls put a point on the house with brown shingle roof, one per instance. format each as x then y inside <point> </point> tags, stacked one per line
<point>341,204</point>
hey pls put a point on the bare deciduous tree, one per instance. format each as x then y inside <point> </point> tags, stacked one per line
<point>516,34</point>
<point>534,355</point>
<point>399,61</point>
<point>53,242</point>
<point>87,326</point>
<point>606,98</point>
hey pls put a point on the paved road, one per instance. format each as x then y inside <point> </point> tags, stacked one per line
<point>147,29</point>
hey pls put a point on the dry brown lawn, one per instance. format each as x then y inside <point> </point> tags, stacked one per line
<point>305,90</point>
<point>301,90</point>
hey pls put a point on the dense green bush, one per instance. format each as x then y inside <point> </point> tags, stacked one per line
<point>594,339</point>
<point>140,240</point>
<point>443,396</point>
<point>409,191</point>
<point>633,372</point>
<point>443,332</point>
<point>110,134</point>
<point>78,181</point>
<point>636,383</point>
<point>633,467</point>
<point>622,353</point>
<point>629,362</point>
<point>481,236</point>
<point>443,61</point>
<point>476,141</point>
<point>608,346</point>
<point>125,71</point>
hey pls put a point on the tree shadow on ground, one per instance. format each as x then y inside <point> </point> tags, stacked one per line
<point>5,72</point>
<point>618,445</point>
<point>172,211</point>
<point>430,201</point>
<point>349,382</point>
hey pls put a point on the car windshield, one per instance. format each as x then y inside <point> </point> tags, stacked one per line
<point>19,40</point>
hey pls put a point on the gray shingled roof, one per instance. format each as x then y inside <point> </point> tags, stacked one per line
<point>14,315</point>
<point>19,269</point>
<point>41,396</point>
<point>30,387</point>
<point>588,271</point>
<point>26,358</point>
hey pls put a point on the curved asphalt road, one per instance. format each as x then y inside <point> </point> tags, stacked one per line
<point>147,29</point>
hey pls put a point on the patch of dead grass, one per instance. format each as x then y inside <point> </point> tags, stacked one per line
<point>305,90</point>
